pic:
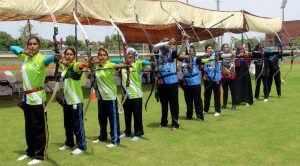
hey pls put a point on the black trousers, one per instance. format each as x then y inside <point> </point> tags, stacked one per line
<point>264,79</point>
<point>192,93</point>
<point>36,130</point>
<point>231,84</point>
<point>277,80</point>
<point>133,107</point>
<point>73,123</point>
<point>209,87</point>
<point>168,95</point>
<point>243,86</point>
<point>108,109</point>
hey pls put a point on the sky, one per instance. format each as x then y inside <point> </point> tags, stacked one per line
<point>265,8</point>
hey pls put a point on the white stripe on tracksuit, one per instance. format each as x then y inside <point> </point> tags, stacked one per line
<point>71,93</point>
<point>109,91</point>
<point>27,86</point>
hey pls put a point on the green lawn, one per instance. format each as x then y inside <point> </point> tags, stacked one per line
<point>261,134</point>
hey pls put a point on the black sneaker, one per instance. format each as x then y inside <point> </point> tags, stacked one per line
<point>233,108</point>
<point>188,118</point>
<point>102,138</point>
<point>224,107</point>
<point>123,134</point>
<point>199,120</point>
<point>160,126</point>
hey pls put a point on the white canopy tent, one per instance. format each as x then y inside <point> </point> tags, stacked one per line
<point>150,14</point>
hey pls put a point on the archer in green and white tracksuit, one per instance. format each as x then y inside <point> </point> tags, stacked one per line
<point>133,103</point>
<point>73,105</point>
<point>107,102</point>
<point>33,101</point>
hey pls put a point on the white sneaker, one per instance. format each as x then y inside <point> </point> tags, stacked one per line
<point>23,157</point>
<point>217,114</point>
<point>135,138</point>
<point>204,112</point>
<point>64,147</point>
<point>266,100</point>
<point>255,99</point>
<point>111,145</point>
<point>34,161</point>
<point>96,141</point>
<point>247,104</point>
<point>122,135</point>
<point>77,151</point>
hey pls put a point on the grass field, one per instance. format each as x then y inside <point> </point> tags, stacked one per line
<point>261,134</point>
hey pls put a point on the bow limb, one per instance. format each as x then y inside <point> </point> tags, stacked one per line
<point>263,57</point>
<point>192,26</point>
<point>185,36</point>
<point>280,49</point>
<point>263,65</point>
<point>56,50</point>
<point>281,52</point>
<point>215,68</point>
<point>291,66</point>
<point>90,63</point>
<point>207,29</point>
<point>176,22</point>
<point>183,33</point>
<point>292,54</point>
<point>248,44</point>
<point>153,60</point>
<point>124,44</point>
<point>250,53</point>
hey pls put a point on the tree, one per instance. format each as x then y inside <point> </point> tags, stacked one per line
<point>137,46</point>
<point>25,34</point>
<point>70,42</point>
<point>6,40</point>
<point>296,41</point>
<point>113,42</point>
<point>249,42</point>
<point>46,44</point>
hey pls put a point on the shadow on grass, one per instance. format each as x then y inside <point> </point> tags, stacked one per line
<point>154,125</point>
<point>183,118</point>
<point>20,152</point>
<point>52,161</point>
<point>58,144</point>
<point>145,138</point>
<point>91,137</point>
<point>12,101</point>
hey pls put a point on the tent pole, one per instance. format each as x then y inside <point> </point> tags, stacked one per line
<point>29,27</point>
<point>119,45</point>
<point>242,39</point>
<point>177,33</point>
<point>143,50</point>
<point>75,25</point>
<point>219,39</point>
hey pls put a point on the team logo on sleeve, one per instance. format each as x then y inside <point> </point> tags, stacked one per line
<point>34,65</point>
<point>184,67</point>
<point>209,66</point>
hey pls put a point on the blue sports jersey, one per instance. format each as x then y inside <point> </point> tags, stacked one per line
<point>191,77</point>
<point>212,69</point>
<point>166,69</point>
